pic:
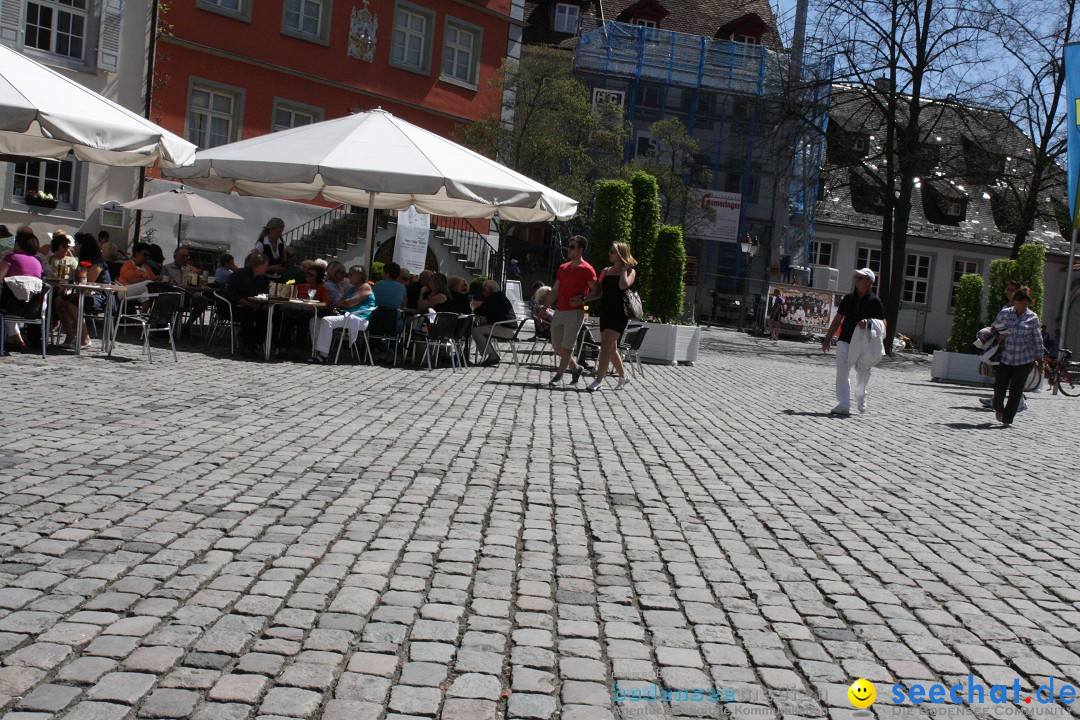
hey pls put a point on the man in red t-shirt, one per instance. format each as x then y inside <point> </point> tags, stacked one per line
<point>568,295</point>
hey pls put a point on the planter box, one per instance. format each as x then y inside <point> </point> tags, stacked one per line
<point>670,344</point>
<point>38,202</point>
<point>957,368</point>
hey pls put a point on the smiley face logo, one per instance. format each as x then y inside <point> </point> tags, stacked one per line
<point>862,693</point>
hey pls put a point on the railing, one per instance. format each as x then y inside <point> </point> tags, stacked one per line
<point>329,233</point>
<point>466,240</point>
<point>295,235</point>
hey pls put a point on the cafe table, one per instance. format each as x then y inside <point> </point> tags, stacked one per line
<point>272,304</point>
<point>82,289</point>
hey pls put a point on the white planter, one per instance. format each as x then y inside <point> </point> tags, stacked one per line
<point>670,344</point>
<point>957,368</point>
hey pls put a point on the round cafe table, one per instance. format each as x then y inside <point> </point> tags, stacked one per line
<point>274,303</point>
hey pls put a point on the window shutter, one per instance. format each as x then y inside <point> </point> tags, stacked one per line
<point>11,22</point>
<point>109,36</point>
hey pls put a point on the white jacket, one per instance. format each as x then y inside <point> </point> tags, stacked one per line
<point>867,346</point>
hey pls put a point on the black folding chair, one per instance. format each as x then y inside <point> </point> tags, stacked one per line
<point>221,318</point>
<point>385,324</point>
<point>630,347</point>
<point>440,335</point>
<point>32,311</point>
<point>159,317</point>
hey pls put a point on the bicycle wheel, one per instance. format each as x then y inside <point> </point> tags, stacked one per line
<point>1034,380</point>
<point>1068,380</point>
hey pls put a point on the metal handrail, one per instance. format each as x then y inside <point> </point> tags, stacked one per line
<point>465,238</point>
<point>332,215</point>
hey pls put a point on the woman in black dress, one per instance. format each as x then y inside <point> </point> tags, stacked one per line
<point>613,283</point>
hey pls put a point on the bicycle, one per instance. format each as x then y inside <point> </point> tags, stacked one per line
<point>1063,374</point>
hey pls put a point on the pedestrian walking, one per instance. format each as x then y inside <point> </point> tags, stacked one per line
<point>776,312</point>
<point>615,280</point>
<point>856,308</point>
<point>572,281</point>
<point>987,401</point>
<point>1021,350</point>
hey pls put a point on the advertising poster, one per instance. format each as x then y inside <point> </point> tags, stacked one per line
<point>724,227</point>
<point>410,246</point>
<point>809,310</point>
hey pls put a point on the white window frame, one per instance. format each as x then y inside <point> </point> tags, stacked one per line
<point>73,208</point>
<point>817,252</point>
<point>477,33</point>
<point>243,13</point>
<point>236,118</point>
<point>913,283</point>
<point>872,260</point>
<point>642,22</point>
<point>321,35</point>
<point>745,39</point>
<point>570,15</point>
<point>428,15</point>
<point>295,108</point>
<point>90,16</point>
<point>970,266</point>
<point>955,208</point>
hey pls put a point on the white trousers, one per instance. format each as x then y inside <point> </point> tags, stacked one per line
<point>843,377</point>
<point>324,331</point>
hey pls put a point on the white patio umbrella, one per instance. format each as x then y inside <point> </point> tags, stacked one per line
<point>46,115</point>
<point>181,201</point>
<point>377,160</point>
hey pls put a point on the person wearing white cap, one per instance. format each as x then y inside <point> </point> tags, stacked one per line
<point>855,309</point>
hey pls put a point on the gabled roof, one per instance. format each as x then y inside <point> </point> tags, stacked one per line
<point>695,17</point>
<point>956,129</point>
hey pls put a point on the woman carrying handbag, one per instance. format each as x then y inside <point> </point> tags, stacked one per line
<point>611,289</point>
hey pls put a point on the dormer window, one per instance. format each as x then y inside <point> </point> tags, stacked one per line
<point>566,18</point>
<point>877,201</point>
<point>745,39</point>
<point>858,145</point>
<point>642,22</point>
<point>955,208</point>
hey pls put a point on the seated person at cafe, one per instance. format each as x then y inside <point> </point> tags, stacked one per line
<point>299,323</point>
<point>357,303</point>
<point>336,282</point>
<point>495,307</point>
<point>460,302</point>
<point>174,272</point>
<point>417,286</point>
<point>226,267</point>
<point>136,273</point>
<point>245,284</point>
<point>435,294</point>
<point>22,261</point>
<point>389,291</point>
<point>97,271</point>
<point>290,270</point>
<point>155,259</point>
<point>60,262</point>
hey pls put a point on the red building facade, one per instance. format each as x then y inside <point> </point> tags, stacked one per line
<point>234,69</point>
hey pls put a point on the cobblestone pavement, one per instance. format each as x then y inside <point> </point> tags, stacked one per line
<point>223,539</point>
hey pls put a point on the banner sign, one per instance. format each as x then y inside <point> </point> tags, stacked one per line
<point>411,244</point>
<point>724,226</point>
<point>809,310</point>
<point>1072,85</point>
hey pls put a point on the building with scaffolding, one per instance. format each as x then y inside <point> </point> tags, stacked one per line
<point>721,70</point>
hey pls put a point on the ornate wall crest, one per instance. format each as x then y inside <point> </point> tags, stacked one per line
<point>362,28</point>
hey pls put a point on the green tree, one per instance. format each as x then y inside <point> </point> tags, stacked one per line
<point>1002,271</point>
<point>1030,264</point>
<point>646,225</point>
<point>967,316</point>
<point>612,222</point>
<point>672,164</point>
<point>669,268</point>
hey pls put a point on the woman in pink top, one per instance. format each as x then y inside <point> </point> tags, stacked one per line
<point>23,261</point>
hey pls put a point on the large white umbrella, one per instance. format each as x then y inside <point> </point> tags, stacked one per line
<point>46,115</point>
<point>181,201</point>
<point>380,161</point>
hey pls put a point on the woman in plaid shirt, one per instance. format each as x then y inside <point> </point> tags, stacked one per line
<point>1022,348</point>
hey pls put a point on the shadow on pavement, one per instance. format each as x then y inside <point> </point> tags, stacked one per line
<point>812,414</point>
<point>975,426</point>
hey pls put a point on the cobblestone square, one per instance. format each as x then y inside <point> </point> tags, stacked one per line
<point>224,539</point>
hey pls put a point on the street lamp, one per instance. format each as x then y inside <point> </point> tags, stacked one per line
<point>749,247</point>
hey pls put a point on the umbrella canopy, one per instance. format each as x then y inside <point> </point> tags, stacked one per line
<point>182,202</point>
<point>378,160</point>
<point>46,115</point>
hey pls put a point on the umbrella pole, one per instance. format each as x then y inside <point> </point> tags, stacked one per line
<point>179,230</point>
<point>370,229</point>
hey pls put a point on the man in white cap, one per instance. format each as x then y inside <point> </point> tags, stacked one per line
<point>855,309</point>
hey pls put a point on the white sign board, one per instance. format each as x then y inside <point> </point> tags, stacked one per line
<point>724,226</point>
<point>410,246</point>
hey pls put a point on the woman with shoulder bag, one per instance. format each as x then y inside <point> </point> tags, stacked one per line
<point>612,285</point>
